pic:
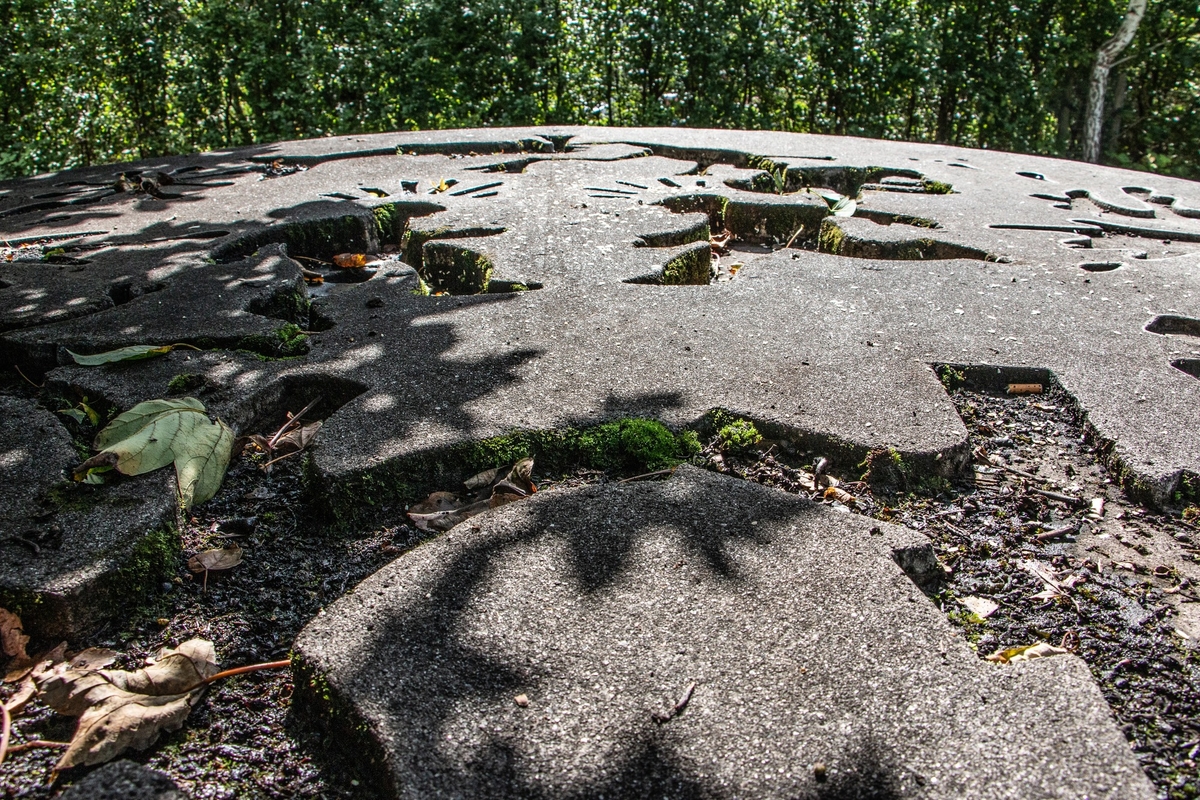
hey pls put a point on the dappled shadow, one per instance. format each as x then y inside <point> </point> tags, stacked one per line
<point>528,603</point>
<point>429,660</point>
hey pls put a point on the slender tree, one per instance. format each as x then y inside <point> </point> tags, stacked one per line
<point>1093,121</point>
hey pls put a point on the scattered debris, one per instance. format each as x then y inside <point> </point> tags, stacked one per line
<point>441,511</point>
<point>521,700</point>
<point>660,717</point>
<point>1024,388</point>
<point>1015,655</point>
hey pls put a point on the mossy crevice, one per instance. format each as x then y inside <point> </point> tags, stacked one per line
<point>835,240</point>
<point>625,445</point>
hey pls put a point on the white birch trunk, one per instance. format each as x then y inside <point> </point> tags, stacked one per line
<point>1093,122</point>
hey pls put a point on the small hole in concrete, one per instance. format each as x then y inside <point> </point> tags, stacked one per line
<point>1171,324</point>
<point>1037,176</point>
<point>125,291</point>
<point>1189,365</point>
<point>1100,266</point>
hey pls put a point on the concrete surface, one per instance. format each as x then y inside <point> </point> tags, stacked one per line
<point>527,653</point>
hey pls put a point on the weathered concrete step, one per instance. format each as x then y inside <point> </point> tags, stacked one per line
<point>805,642</point>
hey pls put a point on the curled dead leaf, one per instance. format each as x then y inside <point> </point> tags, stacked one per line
<point>120,710</point>
<point>12,636</point>
<point>216,559</point>
<point>491,488</point>
<point>298,439</point>
<point>350,260</point>
<point>1015,655</point>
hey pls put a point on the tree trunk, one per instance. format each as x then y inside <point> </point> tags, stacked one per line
<point>1093,120</point>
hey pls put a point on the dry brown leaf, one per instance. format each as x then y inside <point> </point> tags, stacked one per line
<point>25,692</point>
<point>94,658</point>
<point>120,710</point>
<point>1015,655</point>
<point>350,260</point>
<point>215,560</point>
<point>441,511</point>
<point>12,636</point>
<point>297,439</point>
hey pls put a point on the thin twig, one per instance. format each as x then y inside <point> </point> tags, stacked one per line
<point>1059,496</point>
<point>654,474</point>
<point>31,383</point>
<point>229,673</point>
<point>1054,534</point>
<point>20,748</point>
<point>678,708</point>
<point>5,729</point>
<point>291,421</point>
<point>793,239</point>
<point>314,260</point>
<point>281,458</point>
<point>188,346</point>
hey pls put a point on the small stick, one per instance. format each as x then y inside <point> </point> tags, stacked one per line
<point>281,458</point>
<point>31,383</point>
<point>678,708</point>
<point>1059,496</point>
<point>1054,534</point>
<point>5,726</point>
<point>1019,472</point>
<point>314,260</point>
<point>20,748</point>
<point>635,477</point>
<point>188,346</point>
<point>292,421</point>
<point>229,673</point>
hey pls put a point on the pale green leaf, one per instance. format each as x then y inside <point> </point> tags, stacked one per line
<point>845,207</point>
<point>161,441</point>
<point>201,467</point>
<point>141,415</point>
<point>134,352</point>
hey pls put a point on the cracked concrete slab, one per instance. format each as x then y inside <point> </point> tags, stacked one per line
<point>697,637</point>
<point>601,304</point>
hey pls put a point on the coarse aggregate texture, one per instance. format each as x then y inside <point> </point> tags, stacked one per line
<point>540,653</point>
<point>624,274</point>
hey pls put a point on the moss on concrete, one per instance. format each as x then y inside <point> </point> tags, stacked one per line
<point>693,267</point>
<point>631,444</point>
<point>185,382</point>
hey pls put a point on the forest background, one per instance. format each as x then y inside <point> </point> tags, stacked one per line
<point>88,81</point>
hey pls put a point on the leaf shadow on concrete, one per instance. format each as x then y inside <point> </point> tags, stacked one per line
<point>425,681</point>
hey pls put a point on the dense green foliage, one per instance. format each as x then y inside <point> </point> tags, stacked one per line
<point>89,81</point>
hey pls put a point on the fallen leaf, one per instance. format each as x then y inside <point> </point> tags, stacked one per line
<point>19,672</point>
<point>135,352</point>
<point>1015,655</point>
<point>491,488</point>
<point>93,658</point>
<point>156,433</point>
<point>840,495</point>
<point>979,606</point>
<point>350,260</point>
<point>844,207</point>
<point>120,710</point>
<point>25,692</point>
<point>297,439</point>
<point>215,560</point>
<point>12,636</point>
